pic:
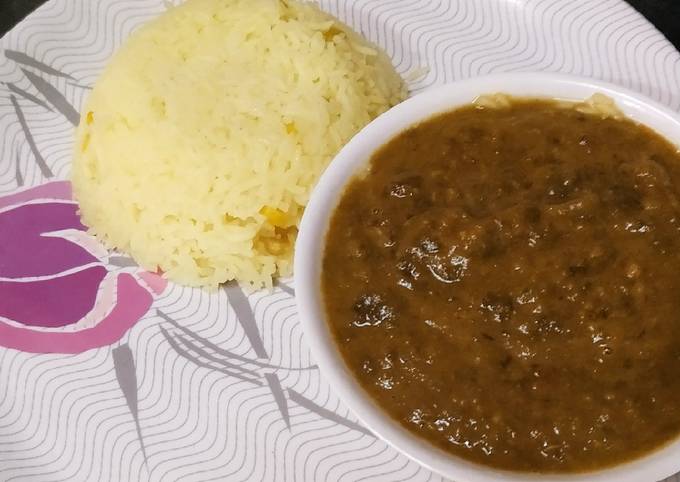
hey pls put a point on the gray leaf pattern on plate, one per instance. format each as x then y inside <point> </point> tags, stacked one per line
<point>53,96</point>
<point>124,365</point>
<point>27,60</point>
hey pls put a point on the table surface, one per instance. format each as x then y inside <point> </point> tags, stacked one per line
<point>664,14</point>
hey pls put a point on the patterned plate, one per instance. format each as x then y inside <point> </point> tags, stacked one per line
<point>107,373</point>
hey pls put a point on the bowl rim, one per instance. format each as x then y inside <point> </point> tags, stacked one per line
<point>660,463</point>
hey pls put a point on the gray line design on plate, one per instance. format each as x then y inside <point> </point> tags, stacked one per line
<point>184,354</point>
<point>245,372</point>
<point>279,397</point>
<point>325,413</point>
<point>82,86</point>
<point>244,312</point>
<point>39,160</point>
<point>27,96</point>
<point>124,366</point>
<point>17,169</point>
<point>285,287</point>
<point>226,353</point>
<point>27,60</point>
<point>54,97</point>
<point>122,261</point>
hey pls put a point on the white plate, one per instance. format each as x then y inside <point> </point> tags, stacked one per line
<point>87,415</point>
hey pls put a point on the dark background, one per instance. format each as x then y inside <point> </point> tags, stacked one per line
<point>11,11</point>
<point>664,14</point>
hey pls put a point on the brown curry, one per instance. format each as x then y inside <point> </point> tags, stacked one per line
<point>505,282</point>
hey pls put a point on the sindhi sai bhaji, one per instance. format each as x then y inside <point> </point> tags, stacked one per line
<point>505,282</point>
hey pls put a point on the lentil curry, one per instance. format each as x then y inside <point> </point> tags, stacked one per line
<point>505,282</point>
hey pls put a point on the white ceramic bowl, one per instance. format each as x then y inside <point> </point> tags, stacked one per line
<point>310,244</point>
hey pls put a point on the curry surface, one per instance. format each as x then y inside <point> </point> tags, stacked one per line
<point>506,284</point>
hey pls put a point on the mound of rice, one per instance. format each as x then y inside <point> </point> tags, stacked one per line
<point>201,141</point>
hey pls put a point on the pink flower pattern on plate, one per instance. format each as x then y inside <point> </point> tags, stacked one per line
<point>57,292</point>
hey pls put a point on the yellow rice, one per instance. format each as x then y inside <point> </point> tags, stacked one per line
<point>201,141</point>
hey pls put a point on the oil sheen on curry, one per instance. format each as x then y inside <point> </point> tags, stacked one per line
<point>505,282</point>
